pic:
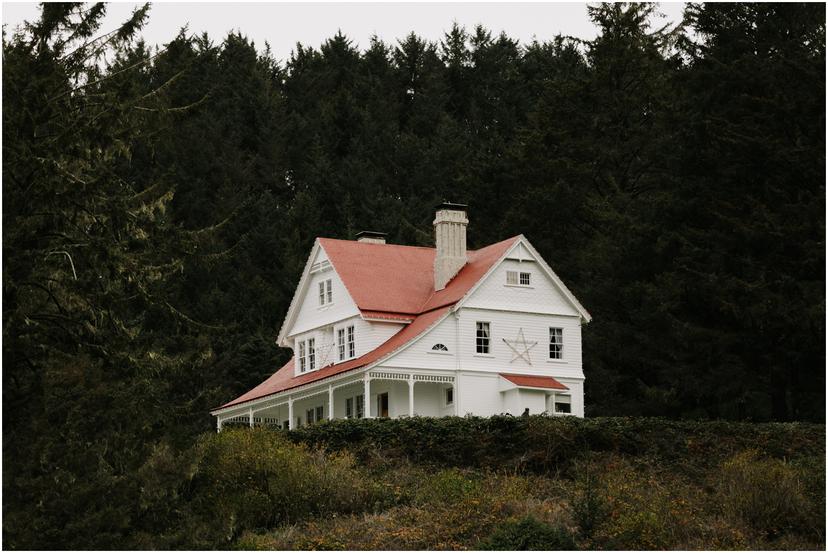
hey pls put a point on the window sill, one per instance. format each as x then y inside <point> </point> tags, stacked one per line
<point>518,285</point>
<point>484,355</point>
<point>557,361</point>
<point>435,352</point>
<point>324,307</point>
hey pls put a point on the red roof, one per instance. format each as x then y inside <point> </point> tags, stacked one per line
<point>396,279</point>
<point>387,281</point>
<point>528,381</point>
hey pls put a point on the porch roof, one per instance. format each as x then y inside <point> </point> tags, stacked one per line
<point>529,381</point>
<point>285,379</point>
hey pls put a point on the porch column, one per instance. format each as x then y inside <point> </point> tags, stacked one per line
<point>367,392</point>
<point>330,402</point>
<point>290,414</point>
<point>411,395</point>
<point>218,423</point>
<point>552,397</point>
<point>456,396</point>
<point>250,415</point>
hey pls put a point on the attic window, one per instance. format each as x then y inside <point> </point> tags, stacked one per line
<point>325,292</point>
<point>515,278</point>
<point>439,347</point>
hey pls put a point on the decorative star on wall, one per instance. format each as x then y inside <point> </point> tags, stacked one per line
<point>520,347</point>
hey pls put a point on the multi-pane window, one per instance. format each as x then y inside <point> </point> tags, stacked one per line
<point>349,408</point>
<point>439,347</point>
<point>449,396</point>
<point>555,343</point>
<point>515,278</point>
<point>311,354</point>
<point>345,342</point>
<point>482,338</point>
<point>315,414</point>
<point>360,406</point>
<point>302,359</point>
<point>325,292</point>
<point>340,343</point>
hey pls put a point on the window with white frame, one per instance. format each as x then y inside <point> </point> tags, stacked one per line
<point>325,292</point>
<point>518,278</point>
<point>360,406</point>
<point>439,347</point>
<point>309,414</point>
<point>482,338</point>
<point>340,343</point>
<point>302,359</point>
<point>345,343</point>
<point>555,343</point>
<point>354,407</point>
<point>563,405</point>
<point>311,354</point>
<point>449,396</point>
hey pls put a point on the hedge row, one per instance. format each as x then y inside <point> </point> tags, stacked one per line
<point>542,443</point>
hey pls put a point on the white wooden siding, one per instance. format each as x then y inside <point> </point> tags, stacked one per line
<point>310,314</point>
<point>479,394</point>
<point>420,355</point>
<point>541,296</point>
<point>370,335</point>
<point>504,324</point>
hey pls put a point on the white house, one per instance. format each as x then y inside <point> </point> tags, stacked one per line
<point>381,330</point>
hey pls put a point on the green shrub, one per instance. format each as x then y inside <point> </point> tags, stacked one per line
<point>588,503</point>
<point>766,494</point>
<point>256,479</point>
<point>528,534</point>
<point>541,444</point>
<point>447,486</point>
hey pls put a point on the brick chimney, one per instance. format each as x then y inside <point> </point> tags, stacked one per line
<point>450,238</point>
<point>371,237</point>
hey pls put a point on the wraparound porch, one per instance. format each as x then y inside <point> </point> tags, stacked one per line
<point>390,393</point>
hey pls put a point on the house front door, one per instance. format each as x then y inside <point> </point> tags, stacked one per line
<point>382,405</point>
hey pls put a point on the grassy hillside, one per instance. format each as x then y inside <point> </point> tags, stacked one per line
<point>512,483</point>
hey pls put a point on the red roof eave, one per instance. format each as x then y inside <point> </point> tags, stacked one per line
<point>284,379</point>
<point>529,381</point>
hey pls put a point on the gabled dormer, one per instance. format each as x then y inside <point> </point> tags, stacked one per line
<point>523,281</point>
<point>321,300</point>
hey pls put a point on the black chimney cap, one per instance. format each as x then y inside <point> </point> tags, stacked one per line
<point>371,234</point>
<point>453,206</point>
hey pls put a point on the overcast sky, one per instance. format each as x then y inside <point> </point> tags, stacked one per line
<point>285,24</point>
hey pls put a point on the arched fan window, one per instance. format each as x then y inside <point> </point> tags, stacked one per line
<point>439,347</point>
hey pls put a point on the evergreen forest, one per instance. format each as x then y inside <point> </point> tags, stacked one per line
<point>159,204</point>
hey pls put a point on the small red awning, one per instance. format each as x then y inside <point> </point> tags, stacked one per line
<point>528,381</point>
